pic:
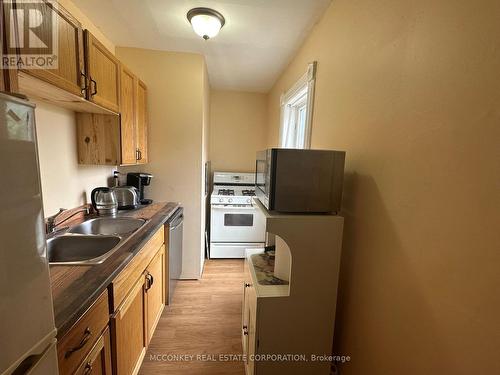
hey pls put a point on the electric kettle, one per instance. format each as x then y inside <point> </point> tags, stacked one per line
<point>104,201</point>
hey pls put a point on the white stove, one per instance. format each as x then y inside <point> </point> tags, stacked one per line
<point>235,224</point>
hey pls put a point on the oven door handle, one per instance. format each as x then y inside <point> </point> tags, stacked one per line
<point>225,207</point>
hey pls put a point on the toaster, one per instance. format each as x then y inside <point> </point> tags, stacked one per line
<point>127,197</point>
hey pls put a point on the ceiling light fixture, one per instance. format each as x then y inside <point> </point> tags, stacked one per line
<point>206,22</point>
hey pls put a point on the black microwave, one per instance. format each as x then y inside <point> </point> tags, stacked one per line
<point>300,181</point>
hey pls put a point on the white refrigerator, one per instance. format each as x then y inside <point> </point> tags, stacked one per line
<point>27,329</point>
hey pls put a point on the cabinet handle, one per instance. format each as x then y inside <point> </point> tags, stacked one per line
<point>86,337</point>
<point>247,285</point>
<point>245,330</point>
<point>88,369</point>
<point>149,281</point>
<point>84,88</point>
<point>138,154</point>
<point>95,86</point>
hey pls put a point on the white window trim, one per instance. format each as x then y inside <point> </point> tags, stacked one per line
<point>308,80</point>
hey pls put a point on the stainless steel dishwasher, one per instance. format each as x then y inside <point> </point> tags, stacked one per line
<point>175,224</point>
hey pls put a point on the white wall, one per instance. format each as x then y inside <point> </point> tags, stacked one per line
<point>65,183</point>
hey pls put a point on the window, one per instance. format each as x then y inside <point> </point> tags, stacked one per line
<point>296,112</point>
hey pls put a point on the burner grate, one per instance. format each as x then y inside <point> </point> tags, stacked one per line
<point>226,192</point>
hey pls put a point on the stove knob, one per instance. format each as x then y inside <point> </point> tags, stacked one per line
<point>221,200</point>
<point>229,200</point>
<point>249,200</point>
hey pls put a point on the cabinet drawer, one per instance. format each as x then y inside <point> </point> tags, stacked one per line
<point>99,359</point>
<point>76,344</point>
<point>131,273</point>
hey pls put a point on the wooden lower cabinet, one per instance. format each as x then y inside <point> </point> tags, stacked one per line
<point>249,326</point>
<point>138,300</point>
<point>75,345</point>
<point>129,336</point>
<point>98,344</point>
<point>98,362</point>
<point>155,276</point>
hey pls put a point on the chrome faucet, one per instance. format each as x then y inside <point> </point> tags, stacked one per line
<point>51,220</point>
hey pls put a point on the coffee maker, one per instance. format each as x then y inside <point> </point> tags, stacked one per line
<point>139,180</point>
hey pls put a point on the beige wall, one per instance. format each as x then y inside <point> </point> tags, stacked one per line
<point>175,106</point>
<point>87,23</point>
<point>64,182</point>
<point>205,195</point>
<point>238,129</point>
<point>411,91</point>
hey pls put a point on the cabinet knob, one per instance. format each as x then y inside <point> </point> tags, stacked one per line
<point>247,285</point>
<point>245,330</point>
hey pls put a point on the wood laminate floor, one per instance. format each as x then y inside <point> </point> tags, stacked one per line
<point>203,319</point>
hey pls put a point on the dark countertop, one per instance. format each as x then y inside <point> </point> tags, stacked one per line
<point>75,288</point>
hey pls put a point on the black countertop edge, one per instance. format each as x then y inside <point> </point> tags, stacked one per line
<point>131,246</point>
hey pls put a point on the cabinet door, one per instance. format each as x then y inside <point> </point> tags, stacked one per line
<point>128,116</point>
<point>155,284</point>
<point>98,362</point>
<point>245,315</point>
<point>70,67</point>
<point>249,326</point>
<point>142,123</point>
<point>128,332</point>
<point>103,72</point>
<point>98,139</point>
<point>8,77</point>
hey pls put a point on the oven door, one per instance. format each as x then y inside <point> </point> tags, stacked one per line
<point>237,224</point>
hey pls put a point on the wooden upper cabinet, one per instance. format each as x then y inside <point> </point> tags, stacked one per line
<point>128,119</point>
<point>142,123</point>
<point>103,74</point>
<point>70,59</point>
<point>8,77</point>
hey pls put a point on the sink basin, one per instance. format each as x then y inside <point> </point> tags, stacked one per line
<point>80,250</point>
<point>108,226</point>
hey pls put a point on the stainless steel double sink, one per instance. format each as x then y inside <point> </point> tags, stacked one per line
<point>91,242</point>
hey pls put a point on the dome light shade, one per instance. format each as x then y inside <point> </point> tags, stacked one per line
<point>206,22</point>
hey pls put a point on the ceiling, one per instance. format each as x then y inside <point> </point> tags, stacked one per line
<point>257,42</point>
